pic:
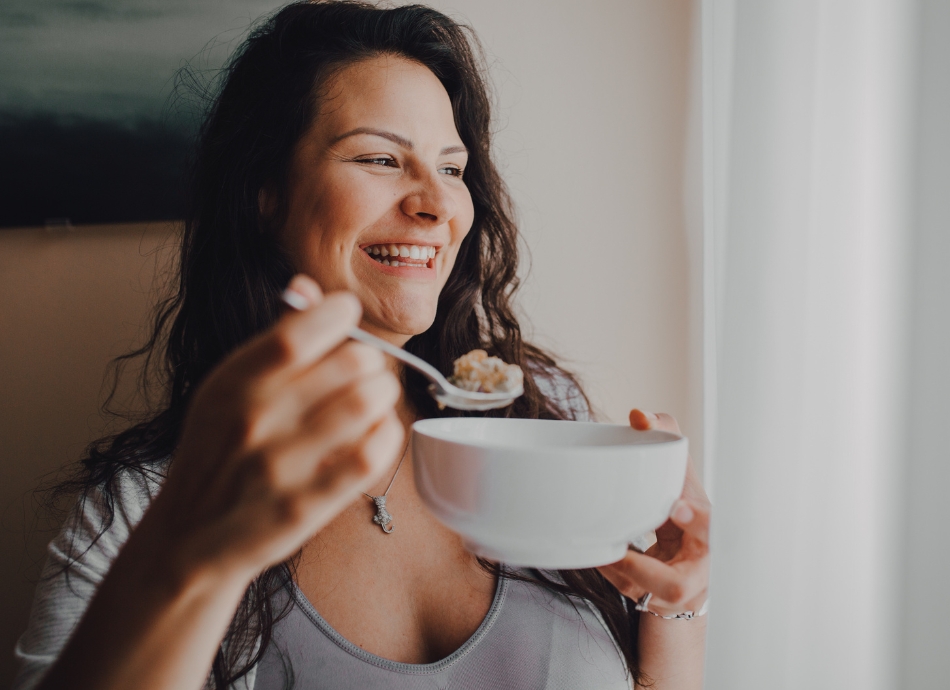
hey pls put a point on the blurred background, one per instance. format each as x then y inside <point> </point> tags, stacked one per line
<point>826,240</point>
<point>96,121</point>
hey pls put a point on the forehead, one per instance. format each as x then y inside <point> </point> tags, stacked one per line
<point>391,93</point>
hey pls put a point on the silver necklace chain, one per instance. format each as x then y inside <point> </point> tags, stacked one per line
<point>383,517</point>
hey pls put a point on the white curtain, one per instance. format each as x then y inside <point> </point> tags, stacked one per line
<point>826,373</point>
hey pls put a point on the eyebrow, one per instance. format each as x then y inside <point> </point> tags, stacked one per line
<point>395,138</point>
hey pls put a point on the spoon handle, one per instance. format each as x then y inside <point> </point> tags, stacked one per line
<point>292,300</point>
<point>426,369</point>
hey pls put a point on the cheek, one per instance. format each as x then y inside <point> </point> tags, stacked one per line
<point>462,224</point>
<point>327,216</point>
<point>346,205</point>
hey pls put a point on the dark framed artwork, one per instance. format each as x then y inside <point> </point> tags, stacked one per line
<point>99,102</point>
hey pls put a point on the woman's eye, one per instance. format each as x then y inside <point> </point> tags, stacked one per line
<point>452,170</point>
<point>386,161</point>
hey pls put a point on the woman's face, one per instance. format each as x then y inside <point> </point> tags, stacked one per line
<point>379,174</point>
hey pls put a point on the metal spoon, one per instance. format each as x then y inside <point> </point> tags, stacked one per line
<point>444,392</point>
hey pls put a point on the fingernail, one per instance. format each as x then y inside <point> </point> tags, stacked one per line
<point>642,420</point>
<point>297,300</point>
<point>682,513</point>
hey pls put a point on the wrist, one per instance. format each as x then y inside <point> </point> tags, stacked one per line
<point>672,651</point>
<point>166,564</point>
<point>643,605</point>
<point>658,627</point>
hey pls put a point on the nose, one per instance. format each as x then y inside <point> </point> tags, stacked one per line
<point>429,200</point>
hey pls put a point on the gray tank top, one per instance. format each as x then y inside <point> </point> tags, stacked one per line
<point>531,639</point>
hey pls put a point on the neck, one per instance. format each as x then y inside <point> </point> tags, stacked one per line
<point>404,409</point>
<point>407,416</point>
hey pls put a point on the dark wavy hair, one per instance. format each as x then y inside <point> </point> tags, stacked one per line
<point>232,269</point>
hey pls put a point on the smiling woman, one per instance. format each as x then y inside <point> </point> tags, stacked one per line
<point>356,184</point>
<point>227,539</point>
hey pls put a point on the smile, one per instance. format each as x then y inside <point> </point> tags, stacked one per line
<point>412,255</point>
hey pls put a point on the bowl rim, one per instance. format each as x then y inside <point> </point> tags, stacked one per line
<point>419,428</point>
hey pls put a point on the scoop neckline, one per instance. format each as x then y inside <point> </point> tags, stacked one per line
<point>501,590</point>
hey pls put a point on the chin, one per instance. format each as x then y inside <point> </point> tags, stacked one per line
<point>416,326</point>
<point>407,324</point>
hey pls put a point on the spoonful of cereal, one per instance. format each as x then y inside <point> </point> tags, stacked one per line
<point>476,371</point>
<point>479,382</point>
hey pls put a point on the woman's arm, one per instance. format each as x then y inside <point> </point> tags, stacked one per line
<point>672,652</point>
<point>147,626</point>
<point>279,438</point>
<point>675,571</point>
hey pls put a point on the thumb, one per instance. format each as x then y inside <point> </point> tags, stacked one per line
<point>641,420</point>
<point>302,293</point>
<point>692,518</point>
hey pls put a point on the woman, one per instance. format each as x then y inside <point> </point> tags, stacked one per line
<point>343,135</point>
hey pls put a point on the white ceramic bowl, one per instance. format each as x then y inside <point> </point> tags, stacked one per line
<point>547,494</point>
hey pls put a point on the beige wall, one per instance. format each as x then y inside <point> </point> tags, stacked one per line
<point>591,134</point>
<point>70,302</point>
<point>592,100</point>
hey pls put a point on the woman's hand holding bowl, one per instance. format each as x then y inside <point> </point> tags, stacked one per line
<point>675,570</point>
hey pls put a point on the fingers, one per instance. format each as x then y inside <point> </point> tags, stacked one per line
<point>674,587</point>
<point>302,292</point>
<point>693,519</point>
<point>279,405</point>
<point>641,420</point>
<point>679,583</point>
<point>298,340</point>
<point>301,338</point>
<point>286,430</point>
<point>626,585</point>
<point>345,418</point>
<point>362,464</point>
<point>345,365</point>
<point>338,423</point>
<point>638,571</point>
<point>338,477</point>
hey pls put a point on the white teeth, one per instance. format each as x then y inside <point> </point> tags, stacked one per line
<point>385,262</point>
<point>413,252</point>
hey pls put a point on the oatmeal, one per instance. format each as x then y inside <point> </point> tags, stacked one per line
<point>476,371</point>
